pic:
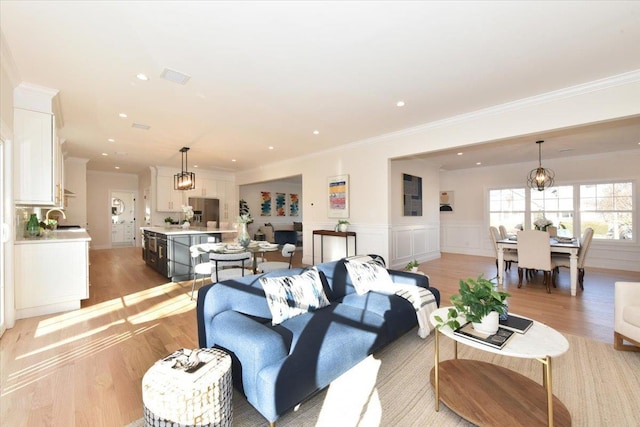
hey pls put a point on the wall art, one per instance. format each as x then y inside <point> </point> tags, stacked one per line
<point>338,187</point>
<point>265,204</point>
<point>412,195</point>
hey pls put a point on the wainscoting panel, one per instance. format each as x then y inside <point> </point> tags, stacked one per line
<point>419,242</point>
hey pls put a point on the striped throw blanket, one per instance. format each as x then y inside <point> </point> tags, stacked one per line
<point>422,300</point>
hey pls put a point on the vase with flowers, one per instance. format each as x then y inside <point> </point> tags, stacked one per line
<point>542,223</point>
<point>188,216</point>
<point>243,233</point>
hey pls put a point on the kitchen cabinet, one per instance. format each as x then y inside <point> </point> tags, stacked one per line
<point>51,275</point>
<point>122,233</point>
<point>168,199</point>
<point>38,159</point>
<point>205,187</point>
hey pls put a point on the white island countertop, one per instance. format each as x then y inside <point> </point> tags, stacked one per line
<point>177,230</point>
<point>56,236</point>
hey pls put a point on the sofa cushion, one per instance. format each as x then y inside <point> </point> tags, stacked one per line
<point>631,315</point>
<point>367,276</point>
<point>289,296</point>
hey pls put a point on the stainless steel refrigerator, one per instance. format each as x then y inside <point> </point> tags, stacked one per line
<point>204,210</point>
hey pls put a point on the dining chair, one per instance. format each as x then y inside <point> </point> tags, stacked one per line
<point>534,253</point>
<point>563,260</point>
<point>509,255</point>
<point>199,266</point>
<point>503,232</point>
<point>221,261</point>
<point>288,250</point>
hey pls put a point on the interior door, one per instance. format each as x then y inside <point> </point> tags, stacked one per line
<point>4,237</point>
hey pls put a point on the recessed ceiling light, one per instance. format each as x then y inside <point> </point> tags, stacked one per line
<point>142,77</point>
<point>111,140</point>
<point>104,154</point>
<point>123,115</point>
<point>316,132</point>
<point>478,163</point>
<point>233,160</point>
<point>400,104</point>
<point>271,147</point>
<point>460,154</point>
<point>195,166</point>
<point>117,167</point>
<point>175,76</point>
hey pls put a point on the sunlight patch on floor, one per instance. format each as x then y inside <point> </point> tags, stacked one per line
<point>70,318</point>
<point>176,305</point>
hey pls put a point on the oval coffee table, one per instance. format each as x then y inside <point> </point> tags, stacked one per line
<point>487,394</point>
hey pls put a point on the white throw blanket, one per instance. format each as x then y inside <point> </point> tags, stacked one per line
<point>422,300</point>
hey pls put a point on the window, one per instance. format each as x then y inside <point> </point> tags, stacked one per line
<point>608,209</point>
<point>555,204</point>
<point>507,207</point>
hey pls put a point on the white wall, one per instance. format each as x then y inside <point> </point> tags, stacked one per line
<point>252,194</point>
<point>466,229</point>
<point>99,188</point>
<point>75,180</point>
<point>414,237</point>
<point>367,162</point>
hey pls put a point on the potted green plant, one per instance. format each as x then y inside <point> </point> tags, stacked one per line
<point>479,303</point>
<point>342,226</point>
<point>168,221</point>
<point>412,266</point>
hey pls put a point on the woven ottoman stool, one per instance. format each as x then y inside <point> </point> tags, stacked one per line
<point>175,398</point>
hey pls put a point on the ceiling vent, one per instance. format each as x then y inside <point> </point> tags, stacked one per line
<point>140,126</point>
<point>175,76</point>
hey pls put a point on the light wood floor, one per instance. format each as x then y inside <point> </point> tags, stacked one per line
<point>84,368</point>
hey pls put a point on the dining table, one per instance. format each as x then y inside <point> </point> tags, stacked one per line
<point>558,246</point>
<point>255,248</point>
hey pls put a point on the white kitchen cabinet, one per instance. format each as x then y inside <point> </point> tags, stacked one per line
<point>122,233</point>
<point>50,276</point>
<point>38,159</point>
<point>168,199</point>
<point>205,187</point>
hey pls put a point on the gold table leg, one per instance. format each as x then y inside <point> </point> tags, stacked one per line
<point>547,383</point>
<point>436,376</point>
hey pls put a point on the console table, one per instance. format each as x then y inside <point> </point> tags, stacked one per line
<point>322,233</point>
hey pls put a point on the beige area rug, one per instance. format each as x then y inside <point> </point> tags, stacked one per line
<point>598,385</point>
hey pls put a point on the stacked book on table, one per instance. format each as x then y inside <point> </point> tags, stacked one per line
<point>507,329</point>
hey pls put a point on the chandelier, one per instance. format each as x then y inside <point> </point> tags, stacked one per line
<point>184,180</point>
<point>540,178</point>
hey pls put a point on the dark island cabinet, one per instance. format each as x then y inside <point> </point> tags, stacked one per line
<point>169,253</point>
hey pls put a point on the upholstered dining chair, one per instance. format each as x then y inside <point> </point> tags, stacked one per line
<point>563,260</point>
<point>503,232</point>
<point>288,250</point>
<point>220,262</point>
<point>627,316</point>
<point>200,263</point>
<point>534,253</point>
<point>509,255</point>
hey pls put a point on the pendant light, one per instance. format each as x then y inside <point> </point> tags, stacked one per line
<point>184,180</point>
<point>540,178</point>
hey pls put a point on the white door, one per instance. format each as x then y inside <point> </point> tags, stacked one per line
<point>123,217</point>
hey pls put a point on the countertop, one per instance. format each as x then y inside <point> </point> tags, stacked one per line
<point>177,230</point>
<point>57,236</point>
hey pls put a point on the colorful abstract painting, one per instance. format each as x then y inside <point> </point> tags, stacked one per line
<point>280,204</point>
<point>265,205</point>
<point>294,209</point>
<point>339,196</point>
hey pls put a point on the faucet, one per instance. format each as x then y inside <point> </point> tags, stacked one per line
<point>51,210</point>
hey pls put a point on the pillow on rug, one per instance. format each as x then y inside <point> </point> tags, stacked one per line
<point>289,296</point>
<point>368,276</point>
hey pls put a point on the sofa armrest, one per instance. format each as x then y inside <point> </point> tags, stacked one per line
<point>409,278</point>
<point>252,346</point>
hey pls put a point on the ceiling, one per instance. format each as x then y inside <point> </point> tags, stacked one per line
<point>268,74</point>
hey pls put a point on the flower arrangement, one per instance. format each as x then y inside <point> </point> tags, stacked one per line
<point>542,223</point>
<point>245,219</point>
<point>188,213</point>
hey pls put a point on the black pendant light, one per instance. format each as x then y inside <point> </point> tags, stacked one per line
<point>184,180</point>
<point>540,178</point>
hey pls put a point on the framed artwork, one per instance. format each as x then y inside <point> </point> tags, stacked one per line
<point>446,201</point>
<point>265,203</point>
<point>280,204</point>
<point>294,208</point>
<point>338,187</point>
<point>412,195</point>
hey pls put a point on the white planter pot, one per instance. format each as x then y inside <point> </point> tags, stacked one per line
<point>342,227</point>
<point>488,324</point>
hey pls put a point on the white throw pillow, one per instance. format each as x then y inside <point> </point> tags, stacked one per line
<point>368,276</point>
<point>289,296</point>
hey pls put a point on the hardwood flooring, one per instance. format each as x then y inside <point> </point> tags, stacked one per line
<point>84,368</point>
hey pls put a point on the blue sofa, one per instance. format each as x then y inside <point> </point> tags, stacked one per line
<point>277,367</point>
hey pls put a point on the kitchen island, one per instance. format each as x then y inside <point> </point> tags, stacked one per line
<point>51,272</point>
<point>166,249</point>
